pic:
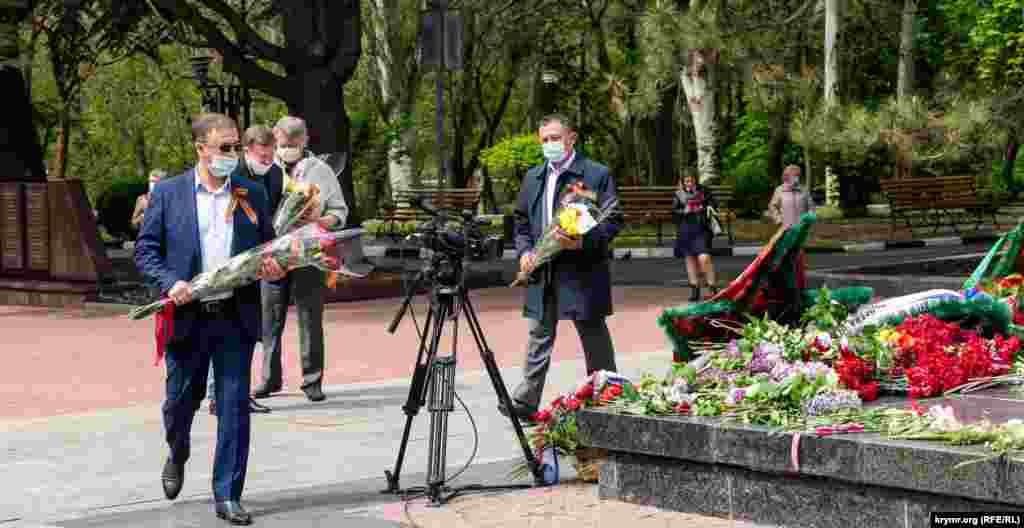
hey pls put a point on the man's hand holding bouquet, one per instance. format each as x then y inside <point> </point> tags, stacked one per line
<point>579,211</point>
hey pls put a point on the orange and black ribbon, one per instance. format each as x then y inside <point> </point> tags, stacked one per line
<point>240,198</point>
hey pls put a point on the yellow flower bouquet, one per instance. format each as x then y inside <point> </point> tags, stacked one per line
<point>579,211</point>
<point>296,201</point>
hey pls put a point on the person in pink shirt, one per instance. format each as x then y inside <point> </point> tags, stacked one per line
<point>790,201</point>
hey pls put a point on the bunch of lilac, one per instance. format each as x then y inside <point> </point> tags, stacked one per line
<point>765,357</point>
<point>831,401</point>
<point>812,371</point>
<point>714,375</point>
<point>736,395</point>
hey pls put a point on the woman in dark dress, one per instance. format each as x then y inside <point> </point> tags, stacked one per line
<point>693,242</point>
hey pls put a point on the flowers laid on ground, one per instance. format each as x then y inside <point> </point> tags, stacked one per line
<point>579,211</point>
<point>817,377</point>
<point>310,245</point>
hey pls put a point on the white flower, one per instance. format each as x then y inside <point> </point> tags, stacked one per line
<point>943,419</point>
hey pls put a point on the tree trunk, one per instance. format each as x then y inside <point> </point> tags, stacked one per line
<point>1012,147</point>
<point>905,84</point>
<point>63,139</point>
<point>664,138</point>
<point>321,102</point>
<point>832,36</point>
<point>699,86</point>
<point>390,62</point>
<point>779,126</point>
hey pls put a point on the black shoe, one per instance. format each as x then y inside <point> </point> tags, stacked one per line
<point>265,391</point>
<point>524,413</point>
<point>172,477</point>
<point>234,513</point>
<point>255,407</point>
<point>694,293</point>
<point>314,394</point>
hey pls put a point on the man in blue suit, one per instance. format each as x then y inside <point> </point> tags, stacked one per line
<point>188,229</point>
<point>576,285</point>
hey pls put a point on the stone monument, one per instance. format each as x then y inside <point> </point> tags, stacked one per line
<point>50,248</point>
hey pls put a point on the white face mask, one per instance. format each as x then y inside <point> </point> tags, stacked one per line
<point>289,154</point>
<point>258,168</point>
<point>554,150</point>
<point>151,185</point>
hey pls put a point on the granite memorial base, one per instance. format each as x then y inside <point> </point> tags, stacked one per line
<point>707,466</point>
<point>50,248</point>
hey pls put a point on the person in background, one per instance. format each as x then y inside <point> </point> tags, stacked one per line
<point>790,201</point>
<point>690,211</point>
<point>305,285</point>
<point>576,285</point>
<point>258,166</point>
<point>142,202</point>
<point>788,204</point>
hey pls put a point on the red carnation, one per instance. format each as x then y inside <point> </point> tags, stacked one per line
<point>585,392</point>
<point>573,404</point>
<point>543,416</point>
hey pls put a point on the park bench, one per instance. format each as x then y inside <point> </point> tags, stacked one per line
<point>938,201</point>
<point>403,209</point>
<point>653,206</point>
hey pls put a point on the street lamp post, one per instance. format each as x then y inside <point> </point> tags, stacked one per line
<point>234,100</point>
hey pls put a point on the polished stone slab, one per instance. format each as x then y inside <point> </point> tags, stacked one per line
<point>767,476</point>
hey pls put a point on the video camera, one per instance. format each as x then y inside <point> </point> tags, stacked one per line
<point>441,237</point>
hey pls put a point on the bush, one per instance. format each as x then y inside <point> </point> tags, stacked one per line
<point>116,205</point>
<point>828,212</point>
<point>753,190</point>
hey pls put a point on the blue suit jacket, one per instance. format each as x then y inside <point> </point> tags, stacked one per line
<point>168,247</point>
<point>582,277</point>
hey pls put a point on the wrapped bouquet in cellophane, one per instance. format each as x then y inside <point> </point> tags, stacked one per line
<point>579,211</point>
<point>309,245</point>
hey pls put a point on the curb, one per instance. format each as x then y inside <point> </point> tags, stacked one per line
<point>752,250</point>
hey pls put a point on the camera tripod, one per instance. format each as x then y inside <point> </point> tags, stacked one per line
<point>433,384</point>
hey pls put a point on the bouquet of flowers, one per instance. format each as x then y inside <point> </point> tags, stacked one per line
<point>296,201</point>
<point>557,435</point>
<point>310,245</point>
<point>579,211</point>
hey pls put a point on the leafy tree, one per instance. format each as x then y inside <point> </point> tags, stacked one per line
<point>319,49</point>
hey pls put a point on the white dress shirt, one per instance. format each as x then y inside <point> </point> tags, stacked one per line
<point>555,169</point>
<point>215,230</point>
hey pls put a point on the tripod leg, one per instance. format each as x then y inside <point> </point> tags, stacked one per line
<point>487,355</point>
<point>424,357</point>
<point>440,402</point>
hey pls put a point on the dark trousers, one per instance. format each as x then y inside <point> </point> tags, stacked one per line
<point>221,340</point>
<point>598,351</point>
<point>306,286</point>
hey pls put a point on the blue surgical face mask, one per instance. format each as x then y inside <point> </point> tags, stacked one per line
<point>554,150</point>
<point>223,167</point>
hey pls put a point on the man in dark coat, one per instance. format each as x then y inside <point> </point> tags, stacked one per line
<point>576,285</point>
<point>191,227</point>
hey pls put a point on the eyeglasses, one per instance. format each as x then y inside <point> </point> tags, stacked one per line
<point>228,148</point>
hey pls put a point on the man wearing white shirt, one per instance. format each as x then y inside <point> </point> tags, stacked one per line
<point>189,228</point>
<point>576,284</point>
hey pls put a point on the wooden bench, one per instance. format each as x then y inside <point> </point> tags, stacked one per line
<point>938,201</point>
<point>653,205</point>
<point>402,208</point>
